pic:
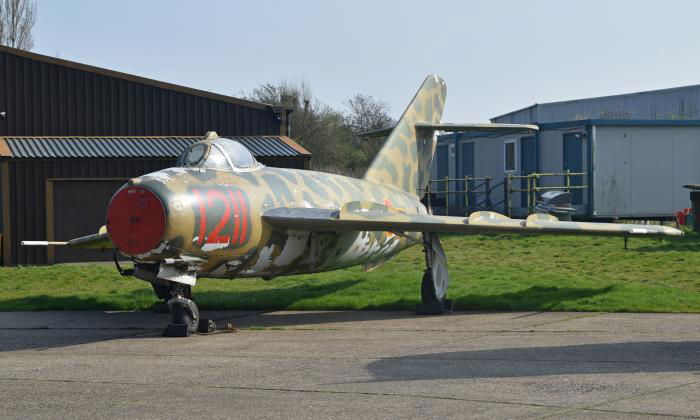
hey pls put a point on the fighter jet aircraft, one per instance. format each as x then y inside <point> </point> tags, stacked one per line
<point>221,214</point>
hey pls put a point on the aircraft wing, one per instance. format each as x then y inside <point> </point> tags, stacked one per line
<point>315,220</point>
<point>98,240</point>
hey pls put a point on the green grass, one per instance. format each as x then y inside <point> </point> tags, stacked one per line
<point>504,272</point>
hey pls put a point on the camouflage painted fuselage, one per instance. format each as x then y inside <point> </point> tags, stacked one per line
<point>216,216</point>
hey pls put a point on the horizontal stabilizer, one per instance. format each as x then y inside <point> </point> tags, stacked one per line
<point>382,132</point>
<point>509,128</point>
<point>500,128</point>
<point>319,220</point>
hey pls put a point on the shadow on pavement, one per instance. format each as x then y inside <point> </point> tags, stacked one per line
<point>633,357</point>
<point>66,321</point>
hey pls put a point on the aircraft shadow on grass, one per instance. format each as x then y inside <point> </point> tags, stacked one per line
<point>534,298</point>
<point>670,245</point>
<point>62,328</point>
<point>608,358</point>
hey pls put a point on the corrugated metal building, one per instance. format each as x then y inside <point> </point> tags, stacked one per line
<point>47,181</point>
<point>636,151</point>
<point>46,96</point>
<point>681,103</point>
<point>57,188</point>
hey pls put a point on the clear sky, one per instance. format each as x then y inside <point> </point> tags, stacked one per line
<point>496,56</point>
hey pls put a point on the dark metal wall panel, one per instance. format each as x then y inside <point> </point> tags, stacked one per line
<point>46,99</point>
<point>28,194</point>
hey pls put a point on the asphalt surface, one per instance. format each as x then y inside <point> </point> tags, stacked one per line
<point>352,365</point>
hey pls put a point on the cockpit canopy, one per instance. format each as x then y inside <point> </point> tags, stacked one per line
<point>219,153</point>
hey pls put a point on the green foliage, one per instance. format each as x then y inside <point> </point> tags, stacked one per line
<point>502,272</point>
<point>330,135</point>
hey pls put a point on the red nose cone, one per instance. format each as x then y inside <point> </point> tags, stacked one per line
<point>135,220</point>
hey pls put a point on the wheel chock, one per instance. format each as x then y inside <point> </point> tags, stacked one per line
<point>206,326</point>
<point>437,308</point>
<point>177,330</point>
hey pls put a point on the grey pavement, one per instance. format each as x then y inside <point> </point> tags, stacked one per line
<point>352,365</point>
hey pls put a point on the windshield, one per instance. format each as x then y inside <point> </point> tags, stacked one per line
<point>219,154</point>
<point>193,156</point>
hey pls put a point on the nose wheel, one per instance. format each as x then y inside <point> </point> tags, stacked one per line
<point>185,314</point>
<point>185,317</point>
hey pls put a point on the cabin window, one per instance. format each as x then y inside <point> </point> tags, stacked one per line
<point>509,156</point>
<point>216,159</point>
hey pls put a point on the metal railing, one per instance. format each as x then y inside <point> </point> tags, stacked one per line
<point>532,188</point>
<point>480,192</point>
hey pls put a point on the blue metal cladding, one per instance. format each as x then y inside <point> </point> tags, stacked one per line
<point>682,103</point>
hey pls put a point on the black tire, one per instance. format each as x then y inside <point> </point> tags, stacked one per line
<point>427,289</point>
<point>181,315</point>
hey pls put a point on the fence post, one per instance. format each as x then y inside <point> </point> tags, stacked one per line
<point>447,195</point>
<point>466,192</point>
<point>534,192</point>
<point>488,193</point>
<point>568,181</point>
<point>508,194</point>
<point>528,179</point>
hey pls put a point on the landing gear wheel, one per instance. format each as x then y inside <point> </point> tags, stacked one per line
<point>185,320</point>
<point>427,289</point>
<point>436,279</point>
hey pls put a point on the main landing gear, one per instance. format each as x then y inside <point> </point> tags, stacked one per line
<point>435,279</point>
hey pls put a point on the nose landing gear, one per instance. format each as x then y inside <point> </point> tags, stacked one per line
<point>185,314</point>
<point>185,317</point>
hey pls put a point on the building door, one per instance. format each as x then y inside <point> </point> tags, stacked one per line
<point>466,165</point>
<point>79,208</point>
<point>528,164</point>
<point>443,170</point>
<point>573,162</point>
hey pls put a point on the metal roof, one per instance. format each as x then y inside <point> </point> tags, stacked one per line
<point>679,103</point>
<point>135,147</point>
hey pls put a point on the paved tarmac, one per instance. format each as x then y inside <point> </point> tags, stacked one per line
<point>352,365</point>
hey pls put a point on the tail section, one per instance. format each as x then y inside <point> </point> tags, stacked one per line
<point>404,160</point>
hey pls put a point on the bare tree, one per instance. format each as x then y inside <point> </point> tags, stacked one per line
<point>365,113</point>
<point>17,18</point>
<point>331,135</point>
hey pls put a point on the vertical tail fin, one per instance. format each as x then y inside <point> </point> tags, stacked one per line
<point>404,160</point>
